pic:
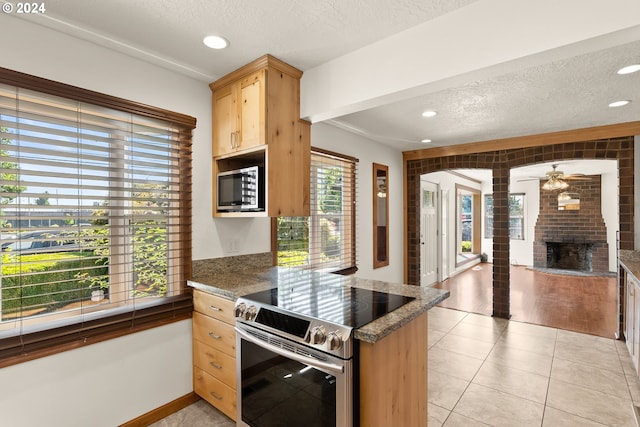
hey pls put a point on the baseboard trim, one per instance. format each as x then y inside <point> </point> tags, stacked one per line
<point>163,411</point>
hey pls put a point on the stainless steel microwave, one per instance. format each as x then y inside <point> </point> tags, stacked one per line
<point>241,190</point>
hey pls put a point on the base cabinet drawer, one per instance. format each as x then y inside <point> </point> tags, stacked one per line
<point>215,392</point>
<point>214,306</point>
<point>214,333</point>
<point>214,362</point>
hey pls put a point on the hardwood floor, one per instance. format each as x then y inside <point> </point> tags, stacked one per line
<point>586,304</point>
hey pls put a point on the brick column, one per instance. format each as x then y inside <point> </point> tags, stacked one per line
<point>501,298</point>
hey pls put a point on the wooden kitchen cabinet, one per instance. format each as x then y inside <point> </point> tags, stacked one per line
<point>239,115</point>
<point>214,351</point>
<point>256,122</point>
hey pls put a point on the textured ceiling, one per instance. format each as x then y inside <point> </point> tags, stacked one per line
<point>566,94</point>
<point>569,93</point>
<point>305,33</point>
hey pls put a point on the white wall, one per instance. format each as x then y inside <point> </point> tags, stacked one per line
<point>104,384</point>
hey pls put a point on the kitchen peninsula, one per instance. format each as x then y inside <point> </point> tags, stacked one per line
<point>391,351</point>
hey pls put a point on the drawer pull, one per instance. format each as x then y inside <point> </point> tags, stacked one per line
<point>214,336</point>
<point>214,308</point>
<point>215,395</point>
<point>215,365</point>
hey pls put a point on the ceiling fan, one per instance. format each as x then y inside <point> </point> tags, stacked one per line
<point>556,179</point>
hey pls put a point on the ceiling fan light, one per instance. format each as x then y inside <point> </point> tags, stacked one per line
<point>555,184</point>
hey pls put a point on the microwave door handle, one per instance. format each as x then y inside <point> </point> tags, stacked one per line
<point>298,358</point>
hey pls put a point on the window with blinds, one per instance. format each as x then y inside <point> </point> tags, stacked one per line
<point>94,212</point>
<point>326,239</point>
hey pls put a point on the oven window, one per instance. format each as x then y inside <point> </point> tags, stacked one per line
<point>279,391</point>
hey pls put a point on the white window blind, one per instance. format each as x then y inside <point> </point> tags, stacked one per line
<point>326,239</point>
<point>95,211</point>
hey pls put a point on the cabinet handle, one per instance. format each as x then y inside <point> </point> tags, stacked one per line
<point>215,395</point>
<point>237,138</point>
<point>214,308</point>
<point>215,365</point>
<point>214,336</point>
<point>231,139</point>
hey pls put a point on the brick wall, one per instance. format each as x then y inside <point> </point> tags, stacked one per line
<point>584,226</point>
<point>501,162</point>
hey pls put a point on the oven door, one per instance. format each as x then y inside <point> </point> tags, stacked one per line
<point>283,383</point>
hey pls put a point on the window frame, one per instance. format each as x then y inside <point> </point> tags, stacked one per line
<point>352,268</point>
<point>488,235</point>
<point>51,339</point>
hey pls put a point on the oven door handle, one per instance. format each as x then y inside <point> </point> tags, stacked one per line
<point>331,367</point>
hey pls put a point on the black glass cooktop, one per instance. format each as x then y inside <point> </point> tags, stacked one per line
<point>344,305</point>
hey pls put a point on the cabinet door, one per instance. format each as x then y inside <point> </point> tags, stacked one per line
<point>225,119</point>
<point>252,111</point>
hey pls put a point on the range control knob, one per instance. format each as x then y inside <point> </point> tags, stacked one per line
<point>240,309</point>
<point>334,340</point>
<point>317,335</point>
<point>251,313</point>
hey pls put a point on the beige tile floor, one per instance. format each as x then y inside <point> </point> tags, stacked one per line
<point>485,371</point>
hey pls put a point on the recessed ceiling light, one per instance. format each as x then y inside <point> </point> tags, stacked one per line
<point>619,103</point>
<point>429,113</point>
<point>425,141</point>
<point>629,69</point>
<point>215,42</point>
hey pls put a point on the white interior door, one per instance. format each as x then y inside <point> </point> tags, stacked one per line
<point>429,241</point>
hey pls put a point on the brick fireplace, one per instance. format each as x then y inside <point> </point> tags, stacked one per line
<point>572,239</point>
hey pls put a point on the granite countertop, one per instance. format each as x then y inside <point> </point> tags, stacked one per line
<point>236,284</point>
<point>630,260</point>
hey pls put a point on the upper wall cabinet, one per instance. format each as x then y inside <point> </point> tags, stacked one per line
<point>256,122</point>
<point>239,111</point>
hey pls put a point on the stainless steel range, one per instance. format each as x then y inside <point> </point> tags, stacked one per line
<point>297,361</point>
